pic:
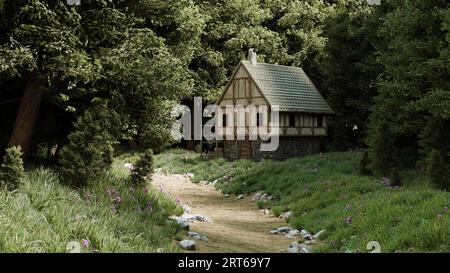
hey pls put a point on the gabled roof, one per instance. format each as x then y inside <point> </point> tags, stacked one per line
<point>287,86</point>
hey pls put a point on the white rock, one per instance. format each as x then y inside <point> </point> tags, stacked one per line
<point>240,196</point>
<point>283,230</point>
<point>308,237</point>
<point>304,232</point>
<point>294,244</point>
<point>190,175</point>
<point>188,245</point>
<point>226,195</point>
<point>309,242</point>
<point>293,250</point>
<point>317,235</point>
<point>214,183</point>
<point>288,215</point>
<point>274,231</point>
<point>294,232</point>
<point>194,235</point>
<point>128,166</point>
<point>305,248</point>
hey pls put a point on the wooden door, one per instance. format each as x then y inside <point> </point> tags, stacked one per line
<point>245,150</point>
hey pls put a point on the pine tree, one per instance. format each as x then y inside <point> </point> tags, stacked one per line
<point>89,153</point>
<point>437,170</point>
<point>12,170</point>
<point>143,168</point>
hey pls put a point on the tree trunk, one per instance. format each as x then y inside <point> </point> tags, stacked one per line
<point>27,114</point>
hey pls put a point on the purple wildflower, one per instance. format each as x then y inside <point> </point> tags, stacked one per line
<point>118,200</point>
<point>349,220</point>
<point>113,209</point>
<point>149,206</point>
<point>85,242</point>
<point>178,200</point>
<point>145,190</point>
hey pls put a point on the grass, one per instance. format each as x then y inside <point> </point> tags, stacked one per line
<point>324,190</point>
<point>43,215</point>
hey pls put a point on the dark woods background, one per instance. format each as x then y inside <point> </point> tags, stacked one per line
<point>109,71</point>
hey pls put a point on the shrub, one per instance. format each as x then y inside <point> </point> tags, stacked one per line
<point>12,170</point>
<point>437,170</point>
<point>395,178</point>
<point>364,164</point>
<point>89,152</point>
<point>143,168</point>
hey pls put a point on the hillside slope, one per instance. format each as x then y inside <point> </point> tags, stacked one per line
<point>326,192</point>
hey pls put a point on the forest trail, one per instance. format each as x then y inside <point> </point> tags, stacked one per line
<point>236,226</point>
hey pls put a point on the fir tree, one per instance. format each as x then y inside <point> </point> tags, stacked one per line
<point>12,170</point>
<point>89,152</point>
<point>143,168</point>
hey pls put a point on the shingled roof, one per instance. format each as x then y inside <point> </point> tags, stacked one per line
<point>287,86</point>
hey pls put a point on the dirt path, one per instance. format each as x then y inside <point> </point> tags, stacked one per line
<point>237,225</point>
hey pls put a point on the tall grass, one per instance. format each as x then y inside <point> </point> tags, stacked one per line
<point>43,215</point>
<point>325,190</point>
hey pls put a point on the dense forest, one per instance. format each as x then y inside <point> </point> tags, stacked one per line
<point>75,80</point>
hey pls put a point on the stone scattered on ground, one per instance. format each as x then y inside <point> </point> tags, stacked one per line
<point>188,245</point>
<point>295,247</point>
<point>182,222</point>
<point>189,175</point>
<point>226,195</point>
<point>317,235</point>
<point>283,230</point>
<point>259,196</point>
<point>287,215</point>
<point>197,236</point>
<point>309,242</point>
<point>158,170</point>
<point>128,166</point>
<point>265,211</point>
<point>308,237</point>
<point>240,196</point>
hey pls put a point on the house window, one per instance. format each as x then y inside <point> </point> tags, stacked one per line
<point>291,120</point>
<point>259,119</point>
<point>224,120</point>
<point>319,121</point>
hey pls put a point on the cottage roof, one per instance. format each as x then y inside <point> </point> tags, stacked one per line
<point>287,86</point>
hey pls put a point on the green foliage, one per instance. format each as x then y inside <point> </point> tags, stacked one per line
<point>438,170</point>
<point>89,153</point>
<point>382,149</point>
<point>12,170</point>
<point>351,98</point>
<point>138,223</point>
<point>395,178</point>
<point>364,164</point>
<point>142,168</point>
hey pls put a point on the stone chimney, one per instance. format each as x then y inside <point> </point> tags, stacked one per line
<point>252,56</point>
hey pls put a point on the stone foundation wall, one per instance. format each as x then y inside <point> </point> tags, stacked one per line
<point>288,148</point>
